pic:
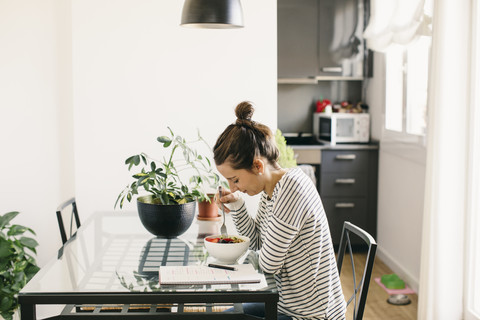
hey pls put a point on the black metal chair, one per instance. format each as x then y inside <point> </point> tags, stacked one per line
<point>360,288</point>
<point>63,212</point>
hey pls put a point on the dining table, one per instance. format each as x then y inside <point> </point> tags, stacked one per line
<point>110,270</point>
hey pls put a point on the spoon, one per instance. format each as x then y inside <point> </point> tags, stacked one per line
<point>223,228</point>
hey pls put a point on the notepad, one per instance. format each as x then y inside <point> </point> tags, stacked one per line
<point>180,275</point>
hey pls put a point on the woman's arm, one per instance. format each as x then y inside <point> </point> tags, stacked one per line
<point>245,224</point>
<point>295,201</point>
<point>276,243</point>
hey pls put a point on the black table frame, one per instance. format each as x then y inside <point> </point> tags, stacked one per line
<point>28,304</point>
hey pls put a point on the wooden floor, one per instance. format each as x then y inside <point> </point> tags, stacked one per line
<point>377,306</point>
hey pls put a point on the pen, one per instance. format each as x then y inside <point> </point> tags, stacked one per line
<point>219,266</point>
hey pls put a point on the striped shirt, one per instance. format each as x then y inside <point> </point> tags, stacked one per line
<point>291,231</point>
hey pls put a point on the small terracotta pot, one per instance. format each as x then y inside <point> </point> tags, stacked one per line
<point>208,210</point>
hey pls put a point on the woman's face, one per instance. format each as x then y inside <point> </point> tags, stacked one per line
<point>244,180</point>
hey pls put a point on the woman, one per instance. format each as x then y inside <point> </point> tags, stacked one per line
<point>290,229</point>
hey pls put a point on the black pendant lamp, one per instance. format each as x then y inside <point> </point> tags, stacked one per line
<point>212,14</point>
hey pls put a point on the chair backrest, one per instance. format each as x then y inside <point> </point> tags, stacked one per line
<point>360,288</point>
<point>66,213</point>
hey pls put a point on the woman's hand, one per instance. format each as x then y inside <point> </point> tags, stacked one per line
<point>227,197</point>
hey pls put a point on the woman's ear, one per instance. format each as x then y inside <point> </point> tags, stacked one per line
<point>258,166</point>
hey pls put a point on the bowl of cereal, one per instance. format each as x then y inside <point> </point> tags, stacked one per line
<point>226,249</point>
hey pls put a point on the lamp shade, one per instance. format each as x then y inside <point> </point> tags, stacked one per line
<point>212,14</point>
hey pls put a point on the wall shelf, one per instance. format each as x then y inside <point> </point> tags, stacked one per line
<point>317,79</point>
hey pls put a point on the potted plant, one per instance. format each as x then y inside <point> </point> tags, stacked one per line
<point>168,208</point>
<point>17,264</point>
<point>208,209</point>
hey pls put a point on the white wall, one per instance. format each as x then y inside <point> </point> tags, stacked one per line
<point>136,71</point>
<point>110,76</point>
<point>400,190</point>
<point>35,172</point>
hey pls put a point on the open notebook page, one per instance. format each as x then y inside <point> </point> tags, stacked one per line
<point>245,273</point>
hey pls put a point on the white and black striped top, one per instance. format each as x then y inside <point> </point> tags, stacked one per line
<point>291,231</point>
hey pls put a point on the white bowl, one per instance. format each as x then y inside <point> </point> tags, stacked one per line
<point>227,253</point>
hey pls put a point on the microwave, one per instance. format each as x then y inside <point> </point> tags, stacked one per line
<point>336,128</point>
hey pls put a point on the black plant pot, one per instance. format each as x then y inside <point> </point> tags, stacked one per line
<point>166,221</point>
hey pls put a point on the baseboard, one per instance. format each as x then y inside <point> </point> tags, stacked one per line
<point>397,268</point>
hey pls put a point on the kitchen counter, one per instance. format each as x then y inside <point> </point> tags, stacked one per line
<point>341,146</point>
<point>311,153</point>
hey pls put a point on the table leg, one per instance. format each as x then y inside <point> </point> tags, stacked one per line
<point>271,310</point>
<point>27,312</point>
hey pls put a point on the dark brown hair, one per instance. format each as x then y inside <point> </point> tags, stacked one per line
<point>244,140</point>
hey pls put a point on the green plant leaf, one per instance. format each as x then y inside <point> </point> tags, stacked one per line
<point>31,231</point>
<point>5,248</point>
<point>3,267</point>
<point>118,198</point>
<point>16,245</point>
<point>163,139</point>
<point>142,180</point>
<point>30,271</point>
<point>164,198</point>
<point>136,160</point>
<point>129,160</point>
<point>166,141</point>
<point>7,217</point>
<point>6,304</point>
<point>16,230</point>
<point>28,242</point>
<point>133,160</point>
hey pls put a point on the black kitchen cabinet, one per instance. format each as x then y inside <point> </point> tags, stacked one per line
<point>348,188</point>
<point>297,38</point>
<point>321,39</point>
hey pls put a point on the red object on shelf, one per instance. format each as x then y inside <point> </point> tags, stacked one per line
<point>322,104</point>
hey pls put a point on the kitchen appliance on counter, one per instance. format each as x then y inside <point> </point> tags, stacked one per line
<point>336,128</point>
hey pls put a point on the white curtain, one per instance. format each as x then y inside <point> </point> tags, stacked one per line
<point>449,180</point>
<point>396,21</point>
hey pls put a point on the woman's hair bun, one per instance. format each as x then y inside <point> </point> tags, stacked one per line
<point>256,140</point>
<point>244,111</point>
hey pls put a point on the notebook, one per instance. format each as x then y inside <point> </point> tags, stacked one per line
<point>181,275</point>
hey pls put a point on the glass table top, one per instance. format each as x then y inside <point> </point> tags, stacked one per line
<point>112,252</point>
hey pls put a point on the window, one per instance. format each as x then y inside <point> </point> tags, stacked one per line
<point>406,89</point>
<point>402,30</point>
